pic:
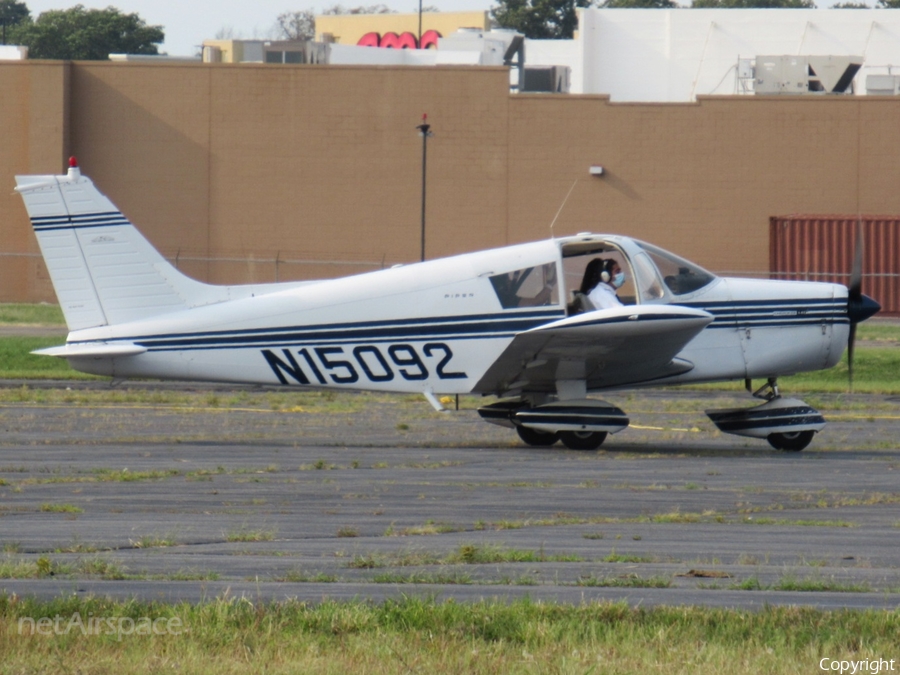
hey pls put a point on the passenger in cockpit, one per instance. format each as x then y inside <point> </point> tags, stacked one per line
<point>602,277</point>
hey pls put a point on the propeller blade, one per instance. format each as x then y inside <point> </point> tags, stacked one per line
<point>855,286</point>
<point>859,307</point>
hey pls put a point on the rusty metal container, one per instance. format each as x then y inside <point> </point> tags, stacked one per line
<point>821,248</point>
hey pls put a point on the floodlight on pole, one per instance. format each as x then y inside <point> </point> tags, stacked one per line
<point>425,133</point>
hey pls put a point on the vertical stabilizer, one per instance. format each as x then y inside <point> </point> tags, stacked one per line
<point>103,270</point>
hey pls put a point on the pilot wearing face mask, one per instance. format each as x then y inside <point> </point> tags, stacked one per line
<point>601,280</point>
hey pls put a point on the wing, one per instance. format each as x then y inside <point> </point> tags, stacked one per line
<point>607,348</point>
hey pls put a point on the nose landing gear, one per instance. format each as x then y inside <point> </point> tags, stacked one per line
<point>786,423</point>
<point>792,441</point>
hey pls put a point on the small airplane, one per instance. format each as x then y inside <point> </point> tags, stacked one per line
<point>506,322</point>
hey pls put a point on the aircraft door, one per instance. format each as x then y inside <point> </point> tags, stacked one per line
<point>575,262</point>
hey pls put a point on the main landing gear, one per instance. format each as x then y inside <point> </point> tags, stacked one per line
<point>786,423</point>
<point>581,424</point>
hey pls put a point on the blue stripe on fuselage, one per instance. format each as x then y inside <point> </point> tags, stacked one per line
<point>774,313</point>
<point>727,314</point>
<point>477,326</point>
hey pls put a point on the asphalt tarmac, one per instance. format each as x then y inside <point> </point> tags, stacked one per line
<point>177,493</point>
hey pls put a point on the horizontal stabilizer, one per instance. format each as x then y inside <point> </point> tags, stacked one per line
<point>91,350</point>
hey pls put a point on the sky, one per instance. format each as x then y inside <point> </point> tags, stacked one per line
<point>187,23</point>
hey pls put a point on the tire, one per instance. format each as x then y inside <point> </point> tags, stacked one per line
<point>792,442</point>
<point>540,439</point>
<point>582,440</point>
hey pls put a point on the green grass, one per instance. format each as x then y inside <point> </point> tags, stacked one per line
<point>802,585</point>
<point>248,535</point>
<point>466,554</point>
<point>61,508</point>
<point>414,635</point>
<point>625,581</point>
<point>876,330</point>
<point>289,401</point>
<point>876,370</point>
<point>42,314</point>
<point>17,363</point>
<point>614,557</point>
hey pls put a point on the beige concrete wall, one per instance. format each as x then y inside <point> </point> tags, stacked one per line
<point>701,179</point>
<point>274,162</point>
<point>34,119</point>
<point>228,168</point>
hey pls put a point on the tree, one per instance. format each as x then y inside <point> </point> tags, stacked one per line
<point>302,25</point>
<point>754,4</point>
<point>88,34</point>
<point>297,25</point>
<point>539,19</point>
<point>12,13</point>
<point>888,4</point>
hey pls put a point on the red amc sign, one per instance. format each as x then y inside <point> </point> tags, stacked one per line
<point>403,41</point>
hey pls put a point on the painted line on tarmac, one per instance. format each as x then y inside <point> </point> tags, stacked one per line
<point>71,406</point>
<point>646,428</point>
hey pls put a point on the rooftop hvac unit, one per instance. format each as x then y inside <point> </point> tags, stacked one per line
<point>212,54</point>
<point>13,53</point>
<point>252,51</point>
<point>883,85</point>
<point>805,74</point>
<point>550,79</point>
<point>295,51</point>
<point>474,46</point>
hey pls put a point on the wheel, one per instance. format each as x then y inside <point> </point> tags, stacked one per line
<point>537,438</point>
<point>793,441</point>
<point>582,440</point>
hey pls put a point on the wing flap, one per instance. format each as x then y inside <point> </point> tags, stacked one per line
<point>607,348</point>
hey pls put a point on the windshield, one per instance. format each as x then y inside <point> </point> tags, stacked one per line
<point>679,275</point>
<point>647,281</point>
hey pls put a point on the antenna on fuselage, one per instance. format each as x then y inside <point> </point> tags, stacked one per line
<point>561,207</point>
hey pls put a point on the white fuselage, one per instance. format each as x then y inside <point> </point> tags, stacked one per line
<point>437,327</point>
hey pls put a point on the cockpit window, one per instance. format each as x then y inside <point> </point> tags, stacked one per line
<point>680,276</point>
<point>528,287</point>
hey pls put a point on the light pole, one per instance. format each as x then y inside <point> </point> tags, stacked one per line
<point>425,133</point>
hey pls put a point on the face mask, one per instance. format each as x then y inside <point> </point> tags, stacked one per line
<point>618,280</point>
